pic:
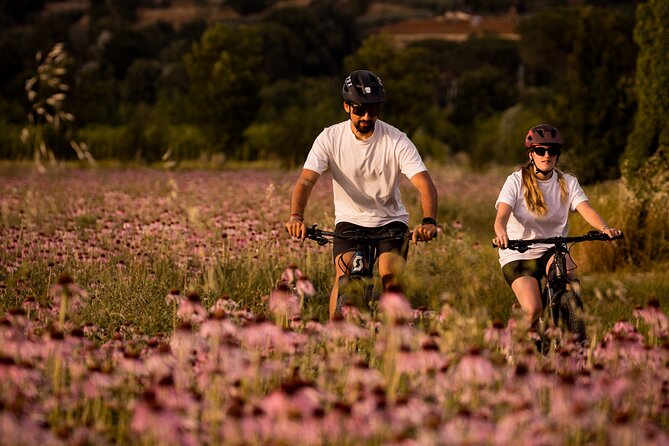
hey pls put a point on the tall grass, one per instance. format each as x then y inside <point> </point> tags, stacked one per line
<point>47,130</point>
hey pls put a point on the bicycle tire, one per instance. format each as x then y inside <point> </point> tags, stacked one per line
<point>571,314</point>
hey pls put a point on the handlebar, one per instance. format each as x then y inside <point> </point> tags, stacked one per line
<point>524,245</point>
<point>321,237</point>
<point>324,237</point>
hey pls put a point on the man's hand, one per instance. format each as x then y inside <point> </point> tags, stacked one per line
<point>424,233</point>
<point>296,227</point>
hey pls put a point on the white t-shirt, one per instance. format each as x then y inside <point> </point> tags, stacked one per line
<point>527,226</point>
<point>366,174</point>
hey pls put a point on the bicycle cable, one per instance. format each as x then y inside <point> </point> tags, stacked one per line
<point>570,256</point>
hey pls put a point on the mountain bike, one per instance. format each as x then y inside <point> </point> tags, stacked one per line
<point>564,306</point>
<point>356,286</point>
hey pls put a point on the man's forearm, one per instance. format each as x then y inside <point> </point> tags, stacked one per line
<point>301,193</point>
<point>299,199</point>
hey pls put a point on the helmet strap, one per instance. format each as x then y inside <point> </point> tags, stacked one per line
<point>538,171</point>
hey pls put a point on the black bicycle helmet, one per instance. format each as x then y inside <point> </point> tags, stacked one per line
<point>363,87</point>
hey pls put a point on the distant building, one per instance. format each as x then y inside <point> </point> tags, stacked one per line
<point>453,26</point>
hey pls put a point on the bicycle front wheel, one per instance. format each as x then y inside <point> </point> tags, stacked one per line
<point>571,314</point>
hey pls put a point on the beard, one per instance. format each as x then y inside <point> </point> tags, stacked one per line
<point>364,127</point>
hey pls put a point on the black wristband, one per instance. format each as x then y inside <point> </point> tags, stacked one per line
<point>429,221</point>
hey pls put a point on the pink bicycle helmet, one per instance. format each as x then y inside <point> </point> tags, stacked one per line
<point>543,134</point>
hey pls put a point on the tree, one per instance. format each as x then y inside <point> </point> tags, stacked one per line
<point>594,104</point>
<point>225,80</point>
<point>317,38</point>
<point>122,47</point>
<point>454,59</point>
<point>546,39</point>
<point>480,93</point>
<point>12,12</point>
<point>141,81</point>
<point>651,124</point>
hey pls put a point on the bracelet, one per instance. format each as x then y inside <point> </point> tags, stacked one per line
<point>296,217</point>
<point>605,227</point>
<point>429,221</point>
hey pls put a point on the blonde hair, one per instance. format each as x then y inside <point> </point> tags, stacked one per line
<point>534,199</point>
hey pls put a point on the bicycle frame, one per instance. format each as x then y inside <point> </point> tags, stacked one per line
<point>556,280</point>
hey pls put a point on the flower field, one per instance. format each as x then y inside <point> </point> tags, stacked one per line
<point>142,306</point>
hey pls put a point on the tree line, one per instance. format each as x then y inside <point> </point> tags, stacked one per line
<point>262,85</point>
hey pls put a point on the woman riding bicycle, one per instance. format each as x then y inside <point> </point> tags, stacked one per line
<point>535,202</point>
<point>366,158</point>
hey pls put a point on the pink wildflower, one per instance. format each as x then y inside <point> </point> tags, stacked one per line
<point>654,317</point>
<point>305,287</point>
<point>428,359</point>
<point>225,304</point>
<point>395,306</point>
<point>467,429</point>
<point>67,295</point>
<point>291,274</point>
<point>499,336</point>
<point>160,364</point>
<point>295,399</point>
<point>475,368</point>
<point>174,297</point>
<point>24,431</point>
<point>153,422</point>
<point>191,310</point>
<point>343,330</point>
<point>283,303</point>
<point>263,337</point>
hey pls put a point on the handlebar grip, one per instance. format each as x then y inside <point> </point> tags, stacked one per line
<point>597,235</point>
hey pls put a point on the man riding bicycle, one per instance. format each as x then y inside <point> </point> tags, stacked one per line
<point>366,157</point>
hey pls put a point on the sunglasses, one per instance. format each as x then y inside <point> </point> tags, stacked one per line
<point>541,151</point>
<point>362,110</point>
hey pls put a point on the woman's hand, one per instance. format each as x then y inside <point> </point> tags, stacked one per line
<point>501,240</point>
<point>611,232</point>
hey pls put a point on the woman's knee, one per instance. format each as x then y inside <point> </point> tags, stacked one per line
<point>528,293</point>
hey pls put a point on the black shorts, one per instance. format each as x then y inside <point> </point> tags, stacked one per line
<point>533,267</point>
<point>400,246</point>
